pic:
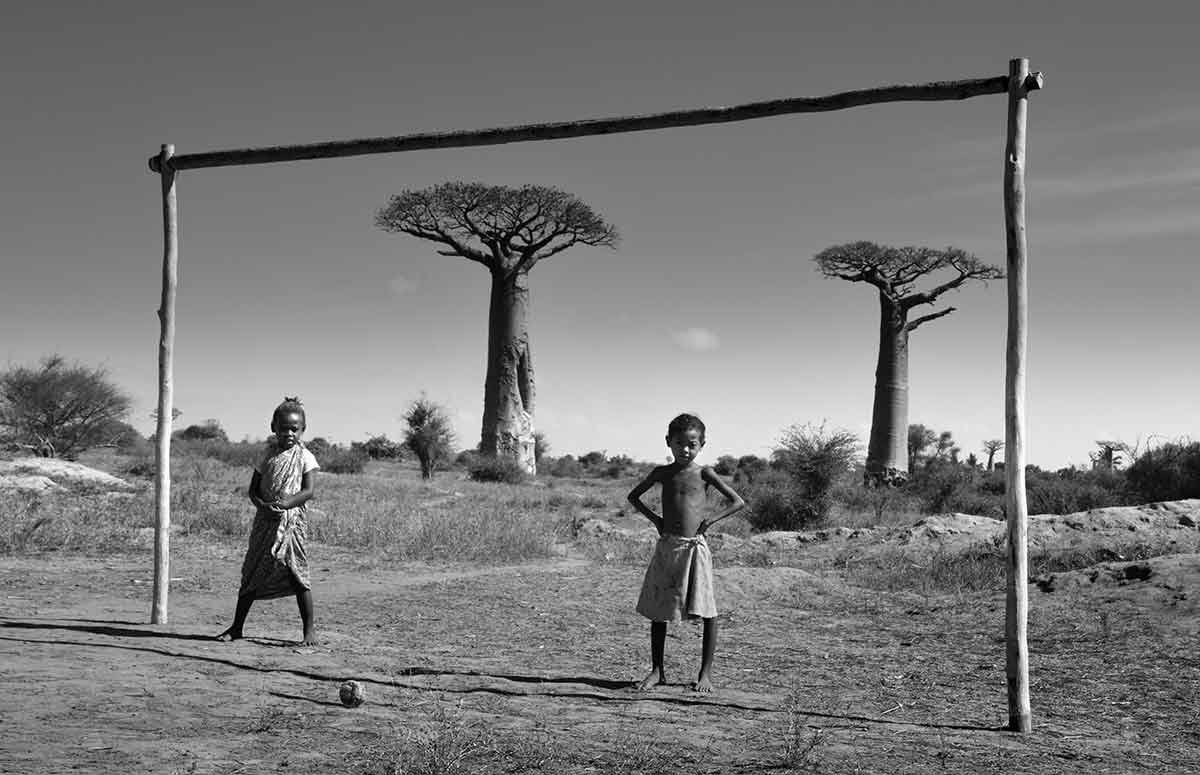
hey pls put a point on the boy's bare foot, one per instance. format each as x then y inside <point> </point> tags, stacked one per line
<point>310,638</point>
<point>654,678</point>
<point>228,635</point>
<point>703,685</point>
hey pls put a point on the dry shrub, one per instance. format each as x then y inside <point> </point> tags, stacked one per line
<point>344,461</point>
<point>798,491</point>
<point>1170,471</point>
<point>497,469</point>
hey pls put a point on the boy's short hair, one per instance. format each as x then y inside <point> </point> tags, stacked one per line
<point>685,422</point>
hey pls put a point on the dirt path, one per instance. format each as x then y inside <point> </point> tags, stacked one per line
<point>533,664</point>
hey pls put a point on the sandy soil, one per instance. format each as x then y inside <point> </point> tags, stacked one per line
<point>36,474</point>
<point>538,660</point>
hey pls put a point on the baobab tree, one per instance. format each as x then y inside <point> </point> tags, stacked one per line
<point>894,271</point>
<point>507,230</point>
<point>991,447</point>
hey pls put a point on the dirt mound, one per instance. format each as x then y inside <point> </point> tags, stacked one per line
<point>1113,527</point>
<point>27,483</point>
<point>1054,531</point>
<point>1113,524</point>
<point>1168,582</point>
<point>40,474</point>
<point>943,529</point>
<point>1169,526</point>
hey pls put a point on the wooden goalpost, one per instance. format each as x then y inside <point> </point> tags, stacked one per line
<point>1017,84</point>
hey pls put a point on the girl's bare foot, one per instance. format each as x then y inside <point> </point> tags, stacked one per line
<point>654,678</point>
<point>703,685</point>
<point>228,635</point>
<point>310,638</point>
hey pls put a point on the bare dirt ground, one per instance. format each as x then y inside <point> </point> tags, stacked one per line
<point>529,668</point>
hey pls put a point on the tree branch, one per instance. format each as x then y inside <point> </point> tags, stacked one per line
<point>457,247</point>
<point>912,324</point>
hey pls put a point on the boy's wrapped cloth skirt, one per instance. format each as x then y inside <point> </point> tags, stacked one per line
<point>679,581</point>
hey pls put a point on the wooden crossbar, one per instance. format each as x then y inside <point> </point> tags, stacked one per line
<point>929,92</point>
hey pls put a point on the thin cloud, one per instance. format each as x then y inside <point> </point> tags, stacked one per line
<point>1173,171</point>
<point>696,339</point>
<point>1170,116</point>
<point>1139,162</point>
<point>1118,228</point>
<point>401,285</point>
<point>1163,172</point>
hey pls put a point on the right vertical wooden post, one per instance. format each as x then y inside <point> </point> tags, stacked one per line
<point>166,386</point>
<point>1020,82</point>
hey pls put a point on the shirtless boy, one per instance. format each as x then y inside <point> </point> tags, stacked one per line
<point>679,581</point>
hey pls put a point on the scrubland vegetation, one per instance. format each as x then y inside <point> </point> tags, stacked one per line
<point>416,499</point>
<point>373,500</point>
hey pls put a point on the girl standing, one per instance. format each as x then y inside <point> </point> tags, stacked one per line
<point>276,563</point>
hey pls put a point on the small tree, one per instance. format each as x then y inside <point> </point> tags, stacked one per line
<point>748,468</point>
<point>1108,457</point>
<point>382,448</point>
<point>920,439</point>
<point>429,435</point>
<point>60,409</point>
<point>726,465</point>
<point>566,465</point>
<point>540,447</point>
<point>946,449</point>
<point>209,430</point>
<point>319,446</point>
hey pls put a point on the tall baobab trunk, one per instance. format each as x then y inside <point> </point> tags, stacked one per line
<point>887,450</point>
<point>509,389</point>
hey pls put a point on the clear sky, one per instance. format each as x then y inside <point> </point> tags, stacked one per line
<point>710,304</point>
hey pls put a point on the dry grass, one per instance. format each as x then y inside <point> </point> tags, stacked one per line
<point>452,741</point>
<point>86,524</point>
<point>386,510</point>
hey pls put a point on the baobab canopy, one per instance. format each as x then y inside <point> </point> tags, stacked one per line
<point>502,227</point>
<point>896,269</point>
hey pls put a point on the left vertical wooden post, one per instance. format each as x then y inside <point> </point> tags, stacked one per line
<point>166,343</point>
<point>1016,617</point>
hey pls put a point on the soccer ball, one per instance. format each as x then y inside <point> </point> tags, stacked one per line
<point>352,694</point>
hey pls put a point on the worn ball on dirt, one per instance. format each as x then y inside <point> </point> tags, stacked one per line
<point>352,694</point>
